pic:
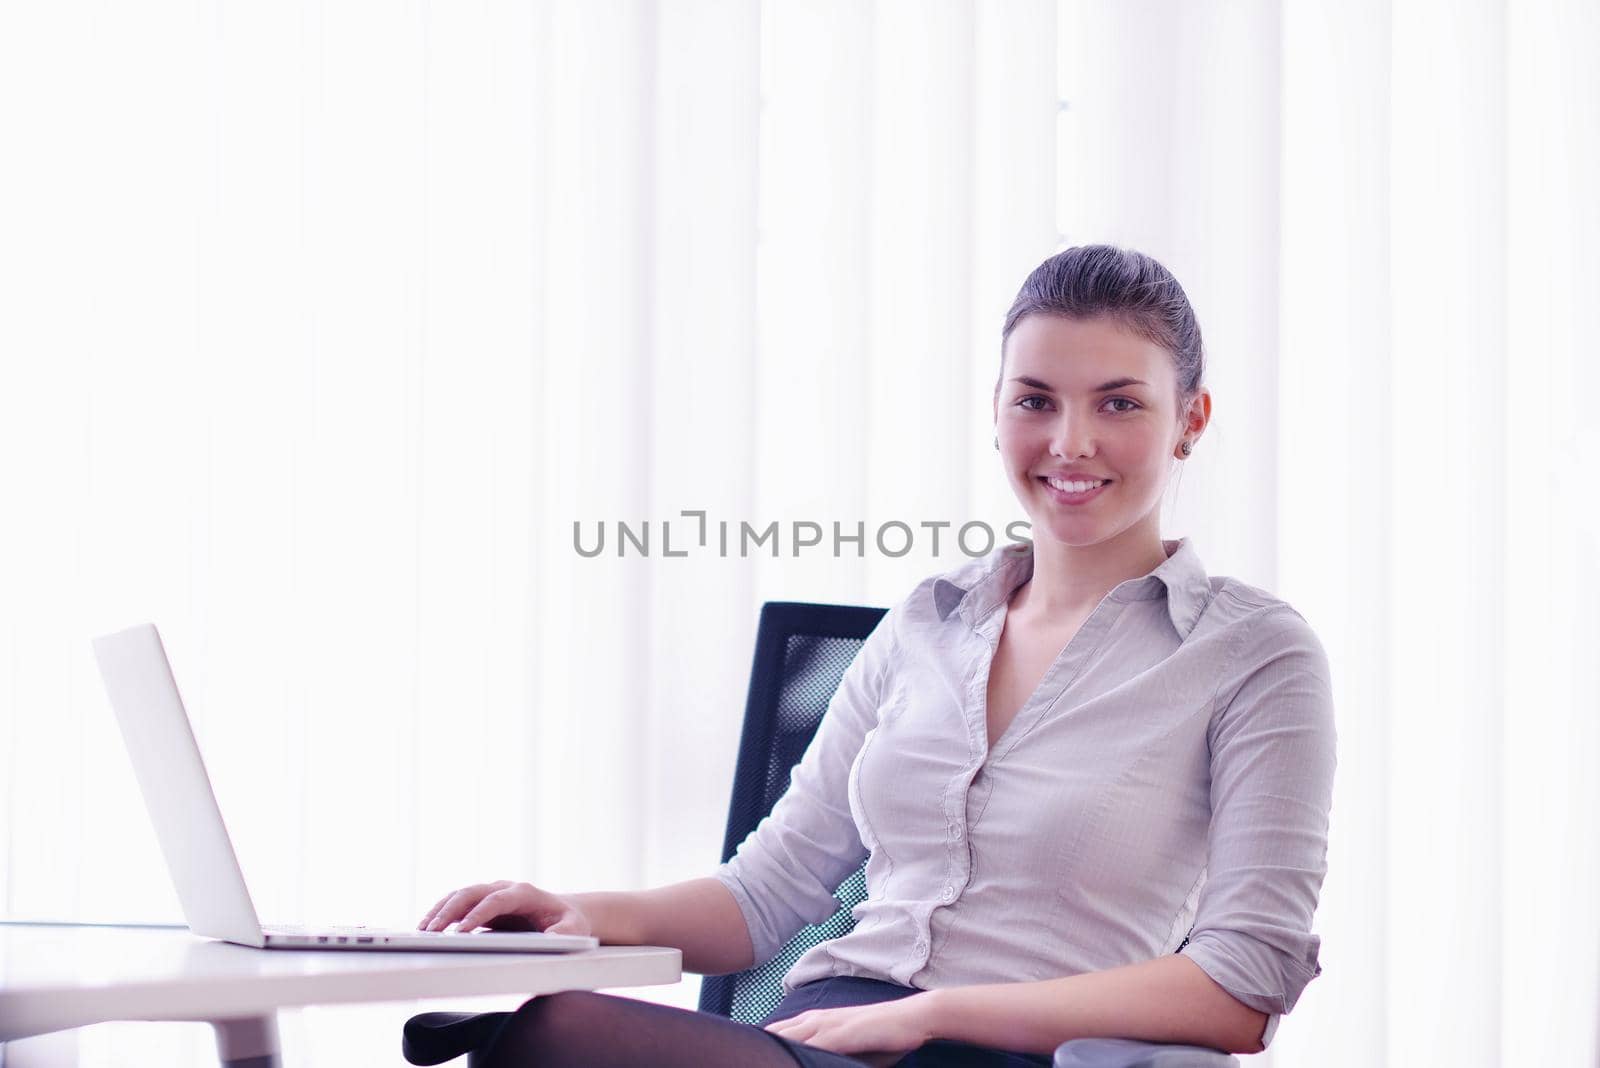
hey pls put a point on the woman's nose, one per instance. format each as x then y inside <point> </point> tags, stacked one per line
<point>1071,438</point>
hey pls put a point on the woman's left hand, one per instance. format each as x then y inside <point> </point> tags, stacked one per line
<point>879,1034</point>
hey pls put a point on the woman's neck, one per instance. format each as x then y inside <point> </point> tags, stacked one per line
<point>1068,581</point>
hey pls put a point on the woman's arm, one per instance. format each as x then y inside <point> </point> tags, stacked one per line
<point>1169,999</point>
<point>784,873</point>
<point>699,917</point>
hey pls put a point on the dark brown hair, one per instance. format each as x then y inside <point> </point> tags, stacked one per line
<point>1094,280</point>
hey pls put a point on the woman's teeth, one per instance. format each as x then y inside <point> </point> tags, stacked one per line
<point>1074,487</point>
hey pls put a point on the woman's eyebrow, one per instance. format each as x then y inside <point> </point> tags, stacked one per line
<point>1117,383</point>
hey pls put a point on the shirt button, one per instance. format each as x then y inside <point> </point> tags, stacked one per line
<point>922,945</point>
<point>955,831</point>
<point>948,894</point>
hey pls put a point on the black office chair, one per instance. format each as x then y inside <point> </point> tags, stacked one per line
<point>802,651</point>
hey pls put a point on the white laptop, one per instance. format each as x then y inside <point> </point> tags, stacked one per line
<point>205,870</point>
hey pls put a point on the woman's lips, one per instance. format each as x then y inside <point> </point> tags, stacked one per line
<point>1074,498</point>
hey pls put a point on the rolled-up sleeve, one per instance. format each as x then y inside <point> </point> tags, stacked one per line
<point>1272,763</point>
<point>784,873</point>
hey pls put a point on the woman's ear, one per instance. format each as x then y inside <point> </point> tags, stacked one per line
<point>1198,415</point>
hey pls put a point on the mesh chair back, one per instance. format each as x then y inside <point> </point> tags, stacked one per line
<point>802,651</point>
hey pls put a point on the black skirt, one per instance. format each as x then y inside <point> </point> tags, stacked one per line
<point>844,990</point>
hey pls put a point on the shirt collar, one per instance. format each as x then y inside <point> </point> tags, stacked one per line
<point>1181,577</point>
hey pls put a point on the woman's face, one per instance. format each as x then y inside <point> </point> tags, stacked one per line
<point>1055,418</point>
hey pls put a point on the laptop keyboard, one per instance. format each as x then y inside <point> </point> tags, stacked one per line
<point>347,929</point>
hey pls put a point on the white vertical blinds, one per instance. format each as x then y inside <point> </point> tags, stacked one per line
<point>321,324</point>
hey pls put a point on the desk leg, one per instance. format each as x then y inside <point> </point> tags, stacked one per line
<point>248,1042</point>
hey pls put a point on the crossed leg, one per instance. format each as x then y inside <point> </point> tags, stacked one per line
<point>583,1029</point>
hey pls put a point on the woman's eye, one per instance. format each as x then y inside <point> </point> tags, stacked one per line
<point>1123,400</point>
<point>1023,403</point>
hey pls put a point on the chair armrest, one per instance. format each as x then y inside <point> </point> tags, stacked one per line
<point>1131,1053</point>
<point>436,1037</point>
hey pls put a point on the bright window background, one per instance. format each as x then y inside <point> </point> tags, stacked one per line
<point>320,324</point>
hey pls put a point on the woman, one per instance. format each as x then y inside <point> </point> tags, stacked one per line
<point>1090,782</point>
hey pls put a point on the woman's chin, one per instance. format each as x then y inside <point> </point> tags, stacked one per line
<point>1076,532</point>
<point>1069,531</point>
<point>1079,537</point>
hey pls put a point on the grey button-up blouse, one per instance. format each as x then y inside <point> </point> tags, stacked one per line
<point>1165,789</point>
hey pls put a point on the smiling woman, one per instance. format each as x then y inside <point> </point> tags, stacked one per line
<point>1047,411</point>
<point>1099,389</point>
<point>1090,782</point>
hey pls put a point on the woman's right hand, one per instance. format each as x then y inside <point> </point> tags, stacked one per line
<point>506,906</point>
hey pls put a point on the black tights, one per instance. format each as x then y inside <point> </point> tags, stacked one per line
<point>582,1029</point>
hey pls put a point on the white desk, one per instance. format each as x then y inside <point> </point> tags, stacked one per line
<point>54,977</point>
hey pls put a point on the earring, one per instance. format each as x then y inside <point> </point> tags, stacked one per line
<point>1186,448</point>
